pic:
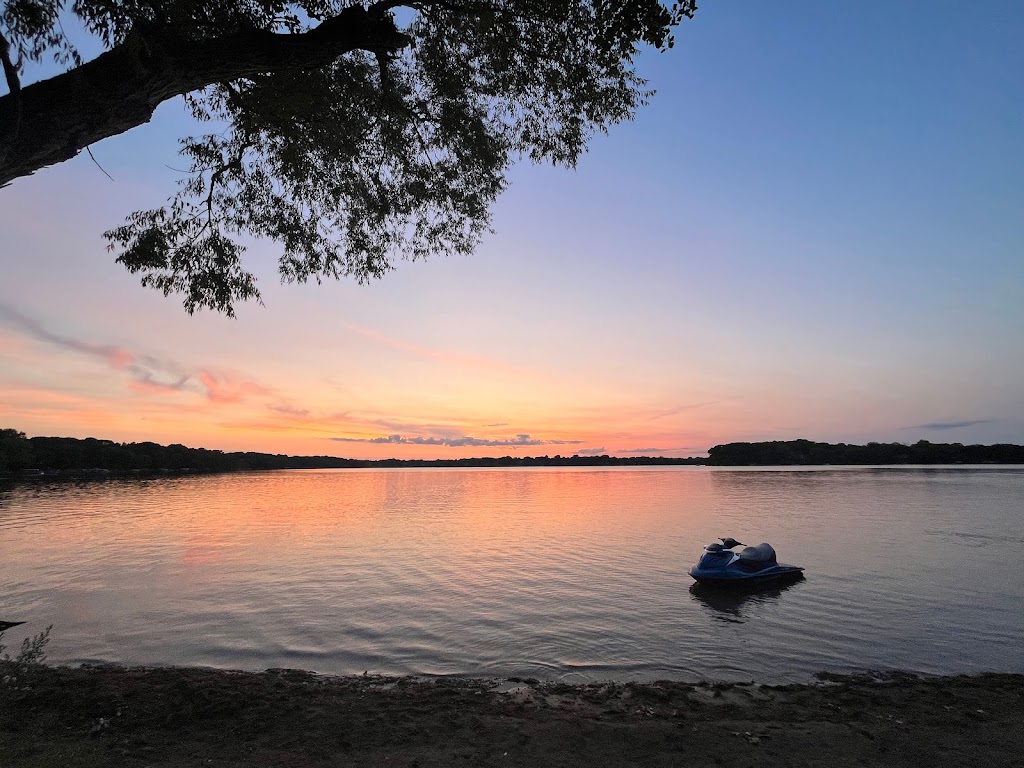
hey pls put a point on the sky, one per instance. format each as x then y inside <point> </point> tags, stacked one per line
<point>814,230</point>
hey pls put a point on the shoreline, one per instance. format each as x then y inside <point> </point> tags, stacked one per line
<point>186,716</point>
<point>91,458</point>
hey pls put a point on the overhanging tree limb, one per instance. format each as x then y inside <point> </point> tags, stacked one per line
<point>365,139</point>
<point>120,89</point>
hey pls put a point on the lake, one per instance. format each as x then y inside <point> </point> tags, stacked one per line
<point>553,573</point>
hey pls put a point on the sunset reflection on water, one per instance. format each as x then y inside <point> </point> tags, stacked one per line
<point>555,573</point>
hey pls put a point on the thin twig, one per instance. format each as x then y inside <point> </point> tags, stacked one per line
<point>97,163</point>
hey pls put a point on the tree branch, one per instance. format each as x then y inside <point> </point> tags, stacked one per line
<point>121,88</point>
<point>10,71</point>
<point>10,124</point>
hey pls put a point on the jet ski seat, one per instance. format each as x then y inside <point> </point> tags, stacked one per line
<point>762,553</point>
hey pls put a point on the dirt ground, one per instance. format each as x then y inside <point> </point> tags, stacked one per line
<point>110,716</point>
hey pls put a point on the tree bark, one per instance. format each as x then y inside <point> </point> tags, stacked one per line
<point>121,88</point>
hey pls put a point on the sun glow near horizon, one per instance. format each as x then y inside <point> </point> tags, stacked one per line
<point>812,231</point>
<point>56,383</point>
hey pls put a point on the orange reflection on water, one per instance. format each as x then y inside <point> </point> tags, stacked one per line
<point>472,524</point>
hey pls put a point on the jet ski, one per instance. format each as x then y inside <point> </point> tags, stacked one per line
<point>750,567</point>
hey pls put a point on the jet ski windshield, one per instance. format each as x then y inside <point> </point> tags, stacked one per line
<point>715,558</point>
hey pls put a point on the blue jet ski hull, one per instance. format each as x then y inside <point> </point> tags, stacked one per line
<point>735,577</point>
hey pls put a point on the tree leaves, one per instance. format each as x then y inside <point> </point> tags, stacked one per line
<point>378,155</point>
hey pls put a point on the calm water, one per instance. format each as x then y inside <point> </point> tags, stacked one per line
<point>552,573</point>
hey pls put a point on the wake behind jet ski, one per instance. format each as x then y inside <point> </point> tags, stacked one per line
<point>751,567</point>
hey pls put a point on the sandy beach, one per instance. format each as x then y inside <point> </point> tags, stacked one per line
<point>113,716</point>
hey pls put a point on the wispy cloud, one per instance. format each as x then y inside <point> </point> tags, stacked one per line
<point>941,425</point>
<point>590,452</point>
<point>115,356</point>
<point>460,441</point>
<point>145,383</point>
<point>229,388</point>
<point>148,374</point>
<point>289,410</point>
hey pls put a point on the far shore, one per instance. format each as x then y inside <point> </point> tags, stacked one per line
<point>68,458</point>
<point>115,716</point>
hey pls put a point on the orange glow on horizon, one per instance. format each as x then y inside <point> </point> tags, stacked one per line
<point>460,406</point>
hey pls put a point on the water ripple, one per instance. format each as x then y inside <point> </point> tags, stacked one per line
<point>565,575</point>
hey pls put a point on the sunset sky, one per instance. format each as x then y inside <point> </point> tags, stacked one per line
<point>815,230</point>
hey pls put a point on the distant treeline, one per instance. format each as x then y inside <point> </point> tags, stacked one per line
<point>71,457</point>
<point>51,456</point>
<point>789,452</point>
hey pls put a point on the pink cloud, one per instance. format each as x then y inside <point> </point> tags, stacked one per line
<point>149,375</point>
<point>228,388</point>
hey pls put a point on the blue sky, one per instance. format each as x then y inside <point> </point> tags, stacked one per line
<point>813,230</point>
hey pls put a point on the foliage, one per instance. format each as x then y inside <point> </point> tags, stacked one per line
<point>790,452</point>
<point>15,451</point>
<point>388,151</point>
<point>31,655</point>
<point>71,457</point>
